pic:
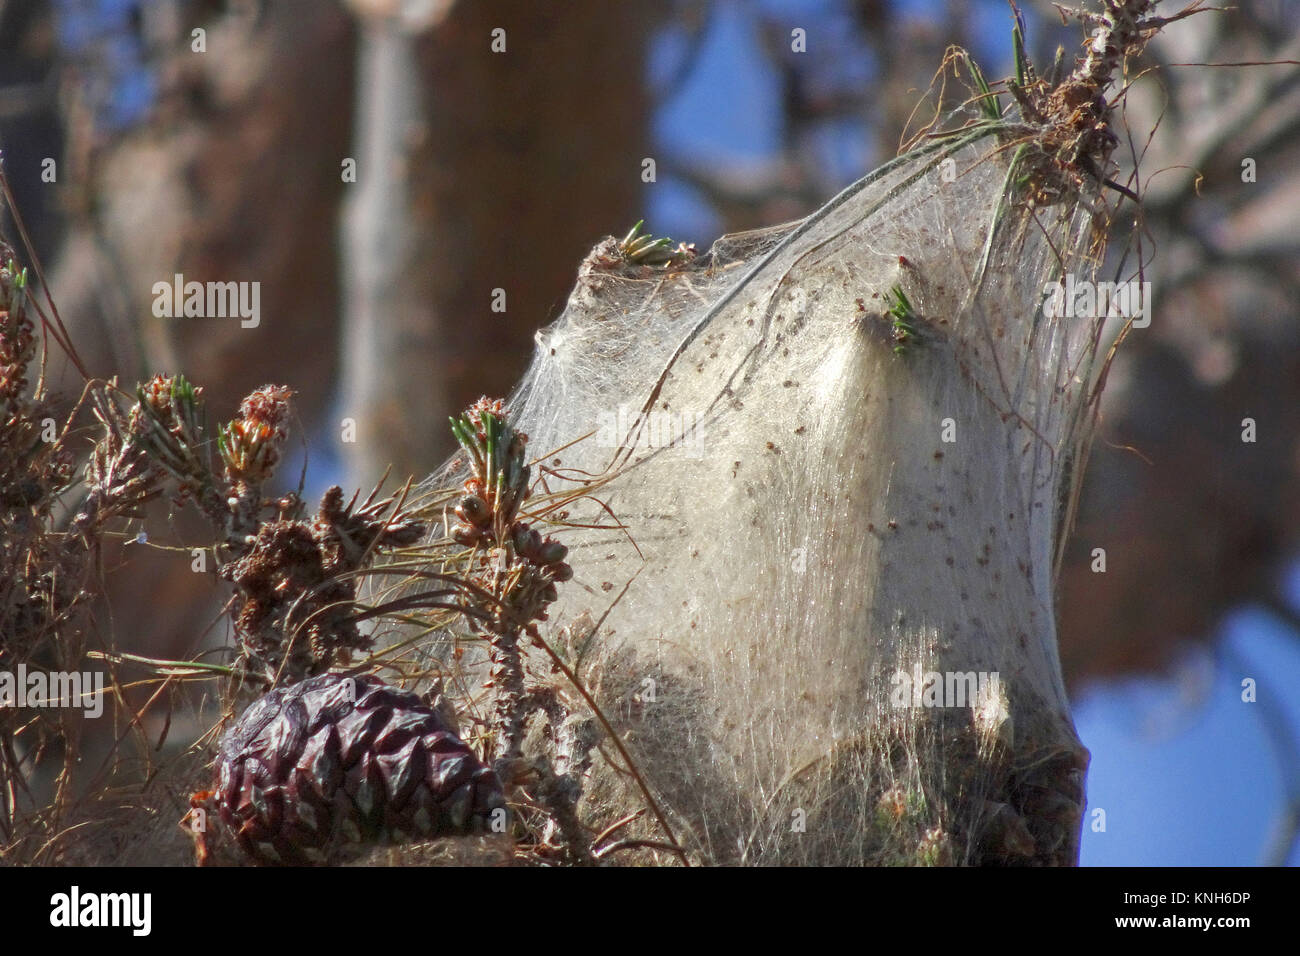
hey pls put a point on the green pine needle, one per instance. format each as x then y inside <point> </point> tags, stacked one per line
<point>988,100</point>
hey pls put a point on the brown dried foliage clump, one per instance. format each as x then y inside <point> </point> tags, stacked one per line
<point>295,604</point>
<point>298,583</point>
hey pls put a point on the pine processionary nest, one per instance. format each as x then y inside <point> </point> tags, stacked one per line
<point>820,455</point>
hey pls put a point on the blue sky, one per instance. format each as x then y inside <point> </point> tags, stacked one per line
<point>1186,771</point>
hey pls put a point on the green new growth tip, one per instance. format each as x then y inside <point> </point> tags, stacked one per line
<point>13,288</point>
<point>466,433</point>
<point>902,315</point>
<point>17,276</point>
<point>646,250</point>
<point>489,454</point>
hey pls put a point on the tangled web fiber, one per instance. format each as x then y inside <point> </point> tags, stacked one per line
<point>795,497</point>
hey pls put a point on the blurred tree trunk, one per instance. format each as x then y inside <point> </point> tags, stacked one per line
<point>478,171</point>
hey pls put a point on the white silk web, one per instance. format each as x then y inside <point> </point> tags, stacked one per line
<point>813,495</point>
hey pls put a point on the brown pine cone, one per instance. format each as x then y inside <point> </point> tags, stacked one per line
<point>335,760</point>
